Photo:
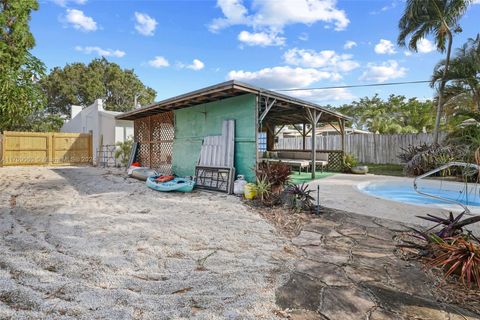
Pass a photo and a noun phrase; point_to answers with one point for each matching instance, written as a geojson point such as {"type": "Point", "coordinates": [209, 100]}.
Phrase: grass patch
{"type": "Point", "coordinates": [306, 177]}
{"type": "Point", "coordinates": [386, 169]}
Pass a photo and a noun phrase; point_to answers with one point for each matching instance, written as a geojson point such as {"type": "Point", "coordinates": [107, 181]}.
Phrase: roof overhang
{"type": "Point", "coordinates": [227, 90]}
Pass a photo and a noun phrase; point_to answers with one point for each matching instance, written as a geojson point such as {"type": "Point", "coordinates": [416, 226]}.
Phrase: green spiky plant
{"type": "Point", "coordinates": [122, 153]}
{"type": "Point", "coordinates": [263, 188]}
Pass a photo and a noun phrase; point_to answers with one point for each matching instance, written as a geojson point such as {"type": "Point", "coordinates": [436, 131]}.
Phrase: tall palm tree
{"type": "Point", "coordinates": [439, 18]}
{"type": "Point", "coordinates": [463, 76]}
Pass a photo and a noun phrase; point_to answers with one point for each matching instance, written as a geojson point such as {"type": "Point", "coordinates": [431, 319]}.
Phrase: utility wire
{"type": "Point", "coordinates": [357, 85]}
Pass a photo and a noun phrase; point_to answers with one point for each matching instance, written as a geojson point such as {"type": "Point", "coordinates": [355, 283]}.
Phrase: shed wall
{"type": "Point", "coordinates": [194, 123]}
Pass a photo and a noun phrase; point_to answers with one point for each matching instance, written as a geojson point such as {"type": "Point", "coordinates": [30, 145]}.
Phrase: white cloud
{"type": "Point", "coordinates": [159, 62]}
{"type": "Point", "coordinates": [303, 36]}
{"type": "Point", "coordinates": [407, 53]}
{"type": "Point", "coordinates": [382, 72]}
{"type": "Point", "coordinates": [281, 77]}
{"type": "Point", "coordinates": [385, 47]}
{"type": "Point", "coordinates": [275, 15]}
{"type": "Point", "coordinates": [64, 3]}
{"type": "Point", "coordinates": [326, 59]}
{"type": "Point", "coordinates": [425, 46]}
{"type": "Point", "coordinates": [234, 13]}
{"type": "Point", "coordinates": [349, 44]}
{"type": "Point", "coordinates": [101, 52]}
{"type": "Point", "coordinates": [337, 94]}
{"type": "Point", "coordinates": [196, 65]}
{"type": "Point", "coordinates": [262, 39]}
{"type": "Point", "coordinates": [80, 21]}
{"type": "Point", "coordinates": [144, 24]}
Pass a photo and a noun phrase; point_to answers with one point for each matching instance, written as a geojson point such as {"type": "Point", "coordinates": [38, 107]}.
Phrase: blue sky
{"type": "Point", "coordinates": [179, 46]}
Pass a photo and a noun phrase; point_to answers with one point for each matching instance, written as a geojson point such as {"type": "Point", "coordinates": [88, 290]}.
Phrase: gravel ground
{"type": "Point", "coordinates": [88, 243]}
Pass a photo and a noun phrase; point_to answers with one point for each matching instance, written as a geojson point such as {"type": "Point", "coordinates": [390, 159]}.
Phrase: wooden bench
{"type": "Point", "coordinates": [299, 159]}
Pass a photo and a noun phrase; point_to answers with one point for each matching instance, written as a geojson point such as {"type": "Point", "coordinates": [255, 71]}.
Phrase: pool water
{"type": "Point", "coordinates": [404, 192]}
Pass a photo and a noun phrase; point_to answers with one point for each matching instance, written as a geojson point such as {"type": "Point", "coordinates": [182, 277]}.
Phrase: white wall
{"type": "Point", "coordinates": [102, 123]}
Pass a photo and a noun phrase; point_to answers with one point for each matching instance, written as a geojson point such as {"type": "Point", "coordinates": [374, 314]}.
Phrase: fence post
{"type": "Point", "coordinates": [50, 147]}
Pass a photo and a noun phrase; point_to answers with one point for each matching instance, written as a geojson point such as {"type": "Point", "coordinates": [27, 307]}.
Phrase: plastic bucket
{"type": "Point", "coordinates": [250, 191]}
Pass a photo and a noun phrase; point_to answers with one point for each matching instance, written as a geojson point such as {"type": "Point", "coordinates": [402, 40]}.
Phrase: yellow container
{"type": "Point", "coordinates": [250, 191]}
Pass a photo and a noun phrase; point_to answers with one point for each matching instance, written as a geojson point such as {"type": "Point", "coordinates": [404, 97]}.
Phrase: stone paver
{"type": "Point", "coordinates": [350, 271]}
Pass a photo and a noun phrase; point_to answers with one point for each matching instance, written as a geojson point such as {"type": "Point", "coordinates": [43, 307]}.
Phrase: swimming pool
{"type": "Point", "coordinates": [403, 191]}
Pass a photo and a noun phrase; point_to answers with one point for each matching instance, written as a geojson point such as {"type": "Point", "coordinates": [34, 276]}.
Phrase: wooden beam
{"type": "Point", "coordinates": [267, 109]}
{"type": "Point", "coordinates": [339, 131]}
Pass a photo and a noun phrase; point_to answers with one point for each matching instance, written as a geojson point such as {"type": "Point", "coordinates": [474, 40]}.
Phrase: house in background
{"type": "Point", "coordinates": [105, 128]}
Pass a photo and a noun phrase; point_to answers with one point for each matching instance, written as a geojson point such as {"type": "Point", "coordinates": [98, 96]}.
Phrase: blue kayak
{"type": "Point", "coordinates": [177, 184]}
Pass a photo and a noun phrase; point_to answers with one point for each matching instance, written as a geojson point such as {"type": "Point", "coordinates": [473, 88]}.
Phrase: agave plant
{"type": "Point", "coordinates": [300, 197]}
{"type": "Point", "coordinates": [451, 226]}
{"type": "Point", "coordinates": [458, 256]}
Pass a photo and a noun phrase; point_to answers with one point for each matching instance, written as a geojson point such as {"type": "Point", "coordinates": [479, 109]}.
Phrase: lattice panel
{"type": "Point", "coordinates": [335, 161]}
{"type": "Point", "coordinates": [143, 155]}
{"type": "Point", "coordinates": [162, 127]}
{"type": "Point", "coordinates": [155, 136]}
{"type": "Point", "coordinates": [142, 130]}
{"type": "Point", "coordinates": [162, 157]}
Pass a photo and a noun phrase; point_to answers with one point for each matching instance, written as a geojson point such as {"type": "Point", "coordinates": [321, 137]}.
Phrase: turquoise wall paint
{"type": "Point", "coordinates": [194, 123]}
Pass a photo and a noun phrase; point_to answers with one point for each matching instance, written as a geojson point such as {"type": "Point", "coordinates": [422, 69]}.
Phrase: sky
{"type": "Point", "coordinates": [179, 46]}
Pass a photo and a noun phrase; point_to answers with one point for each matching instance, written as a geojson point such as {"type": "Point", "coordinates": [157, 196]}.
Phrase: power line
{"type": "Point", "coordinates": [357, 85]}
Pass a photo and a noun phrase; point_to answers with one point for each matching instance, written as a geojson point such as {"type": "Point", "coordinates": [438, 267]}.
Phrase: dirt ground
{"type": "Point", "coordinates": [88, 243]}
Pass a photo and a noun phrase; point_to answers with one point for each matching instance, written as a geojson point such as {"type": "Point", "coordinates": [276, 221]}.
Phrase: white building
{"type": "Point", "coordinates": [102, 123]}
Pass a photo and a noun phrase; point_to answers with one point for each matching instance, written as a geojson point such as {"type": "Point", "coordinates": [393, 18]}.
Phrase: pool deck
{"type": "Point", "coordinates": [340, 192]}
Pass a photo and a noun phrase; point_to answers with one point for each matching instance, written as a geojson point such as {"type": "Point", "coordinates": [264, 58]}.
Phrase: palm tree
{"type": "Point", "coordinates": [463, 76]}
{"type": "Point", "coordinates": [440, 18]}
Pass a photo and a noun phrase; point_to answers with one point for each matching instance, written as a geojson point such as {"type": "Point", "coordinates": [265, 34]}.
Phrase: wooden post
{"type": "Point", "coordinates": [341, 123]}
{"type": "Point", "coordinates": [314, 146]}
{"type": "Point", "coordinates": [50, 151]}
{"type": "Point", "coordinates": [2, 150]}
{"type": "Point", "coordinates": [90, 147]}
{"type": "Point", "coordinates": [270, 137]}
{"type": "Point", "coordinates": [304, 134]}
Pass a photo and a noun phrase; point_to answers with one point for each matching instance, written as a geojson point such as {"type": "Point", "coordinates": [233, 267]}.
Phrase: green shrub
{"type": "Point", "coordinates": [122, 154]}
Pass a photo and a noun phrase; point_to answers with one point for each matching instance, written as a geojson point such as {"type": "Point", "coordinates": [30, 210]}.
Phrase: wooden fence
{"type": "Point", "coordinates": [45, 148]}
{"type": "Point", "coordinates": [367, 148]}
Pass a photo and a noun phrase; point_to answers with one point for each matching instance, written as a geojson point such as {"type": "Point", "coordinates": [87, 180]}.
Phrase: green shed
{"type": "Point", "coordinates": [170, 132]}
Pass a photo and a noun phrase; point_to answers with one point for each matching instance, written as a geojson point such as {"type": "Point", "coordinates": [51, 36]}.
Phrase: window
{"type": "Point", "coordinates": [262, 141]}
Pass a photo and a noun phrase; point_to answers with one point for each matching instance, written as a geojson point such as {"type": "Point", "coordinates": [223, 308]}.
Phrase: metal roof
{"type": "Point", "coordinates": [225, 90]}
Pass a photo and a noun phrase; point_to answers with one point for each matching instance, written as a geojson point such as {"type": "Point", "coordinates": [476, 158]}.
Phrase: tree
{"type": "Point", "coordinates": [440, 18]}
{"type": "Point", "coordinates": [462, 91]}
{"type": "Point", "coordinates": [82, 84]}
{"type": "Point", "coordinates": [395, 115]}
{"type": "Point", "coordinates": [20, 95]}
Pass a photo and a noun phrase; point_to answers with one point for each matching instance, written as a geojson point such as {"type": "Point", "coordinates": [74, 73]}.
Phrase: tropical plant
{"type": "Point", "coordinates": [299, 197]}
{"type": "Point", "coordinates": [20, 95]}
{"type": "Point", "coordinates": [395, 115]}
{"type": "Point", "coordinates": [450, 227]}
{"type": "Point", "coordinates": [122, 153]}
{"type": "Point", "coordinates": [462, 93]}
{"type": "Point", "coordinates": [433, 157]}
{"type": "Point", "coordinates": [276, 174]}
{"type": "Point", "coordinates": [458, 256]}
{"type": "Point", "coordinates": [412, 150]}
{"type": "Point", "coordinates": [440, 18]}
{"type": "Point", "coordinates": [349, 161]}
{"type": "Point", "coordinates": [263, 188]}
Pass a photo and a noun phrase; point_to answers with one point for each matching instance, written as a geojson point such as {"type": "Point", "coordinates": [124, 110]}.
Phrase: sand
{"type": "Point", "coordinates": [84, 243]}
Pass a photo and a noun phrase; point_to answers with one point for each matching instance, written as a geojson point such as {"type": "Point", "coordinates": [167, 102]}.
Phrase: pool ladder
{"type": "Point", "coordinates": [445, 166]}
